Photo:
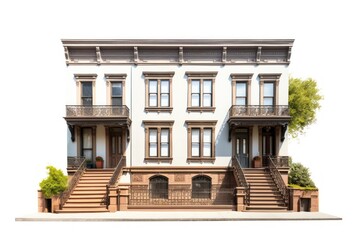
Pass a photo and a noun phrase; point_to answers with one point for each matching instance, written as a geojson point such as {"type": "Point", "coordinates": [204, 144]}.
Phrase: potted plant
{"type": "Point", "coordinates": [89, 163]}
{"type": "Point", "coordinates": [257, 162]}
{"type": "Point", "coordinates": [52, 186]}
{"type": "Point", "coordinates": [99, 162]}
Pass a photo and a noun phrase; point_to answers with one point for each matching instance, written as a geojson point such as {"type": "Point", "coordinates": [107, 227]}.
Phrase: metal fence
{"type": "Point", "coordinates": [181, 195]}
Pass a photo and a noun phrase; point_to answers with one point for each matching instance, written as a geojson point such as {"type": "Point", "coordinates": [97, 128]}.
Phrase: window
{"type": "Point", "coordinates": [201, 91]}
{"type": "Point", "coordinates": [269, 95]}
{"type": "Point", "coordinates": [201, 187]}
{"type": "Point", "coordinates": [241, 89]}
{"type": "Point", "coordinates": [115, 89]}
{"type": "Point", "coordinates": [158, 91]}
{"type": "Point", "coordinates": [158, 186]}
{"type": "Point", "coordinates": [269, 84]}
{"type": "Point", "coordinates": [158, 140]}
{"type": "Point", "coordinates": [87, 142]}
{"type": "Point", "coordinates": [201, 140]}
{"type": "Point", "coordinates": [86, 94]}
{"type": "Point", "coordinates": [85, 88]}
{"type": "Point", "coordinates": [116, 93]}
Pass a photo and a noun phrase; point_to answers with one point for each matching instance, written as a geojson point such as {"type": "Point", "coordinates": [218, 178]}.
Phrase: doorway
{"type": "Point", "coordinates": [268, 143]}
{"type": "Point", "coordinates": [116, 148]}
{"type": "Point", "coordinates": [242, 146]}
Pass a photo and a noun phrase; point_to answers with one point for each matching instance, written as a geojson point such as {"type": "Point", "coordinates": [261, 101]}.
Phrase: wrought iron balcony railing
{"type": "Point", "coordinates": [259, 111]}
{"type": "Point", "coordinates": [97, 111]}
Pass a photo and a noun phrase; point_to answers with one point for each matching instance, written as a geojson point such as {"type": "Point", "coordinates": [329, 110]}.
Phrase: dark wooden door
{"type": "Point", "coordinates": [242, 147]}
{"type": "Point", "coordinates": [268, 143]}
{"type": "Point", "coordinates": [116, 149]}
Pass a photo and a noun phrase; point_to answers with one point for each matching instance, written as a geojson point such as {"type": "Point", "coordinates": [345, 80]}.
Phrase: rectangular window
{"type": "Point", "coordinates": [164, 142]}
{"type": "Point", "coordinates": [87, 143]}
{"type": "Point", "coordinates": [153, 93]}
{"type": "Point", "coordinates": [207, 93]}
{"type": "Point", "coordinates": [201, 140]}
{"type": "Point", "coordinates": [241, 94]}
{"type": "Point", "coordinates": [269, 94]}
{"type": "Point", "coordinates": [195, 142]}
{"type": "Point", "coordinates": [164, 93]}
{"type": "Point", "coordinates": [158, 91]}
{"type": "Point", "coordinates": [116, 93]}
{"type": "Point", "coordinates": [86, 93]}
{"type": "Point", "coordinates": [195, 93]}
{"type": "Point", "coordinates": [158, 140]}
{"type": "Point", "coordinates": [201, 91]}
{"type": "Point", "coordinates": [153, 143]}
{"type": "Point", "coordinates": [207, 142]}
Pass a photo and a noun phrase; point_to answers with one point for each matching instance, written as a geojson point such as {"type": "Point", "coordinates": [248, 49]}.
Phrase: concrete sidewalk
{"type": "Point", "coordinates": [178, 216]}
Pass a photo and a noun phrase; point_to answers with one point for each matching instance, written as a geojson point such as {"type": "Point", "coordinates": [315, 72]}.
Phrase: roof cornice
{"type": "Point", "coordinates": [177, 42]}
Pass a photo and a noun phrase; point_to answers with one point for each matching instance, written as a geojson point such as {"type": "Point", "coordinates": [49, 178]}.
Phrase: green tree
{"type": "Point", "coordinates": [304, 101]}
{"type": "Point", "coordinates": [54, 184]}
{"type": "Point", "coordinates": [300, 175]}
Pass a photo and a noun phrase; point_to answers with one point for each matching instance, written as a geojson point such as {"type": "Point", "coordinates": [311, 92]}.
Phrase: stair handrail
{"type": "Point", "coordinates": [113, 180]}
{"type": "Point", "coordinates": [64, 196]}
{"type": "Point", "coordinates": [279, 181]}
{"type": "Point", "coordinates": [239, 173]}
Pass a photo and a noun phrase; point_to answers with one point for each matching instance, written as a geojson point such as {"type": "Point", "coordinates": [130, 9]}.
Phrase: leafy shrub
{"type": "Point", "coordinates": [300, 175]}
{"type": "Point", "coordinates": [54, 184]}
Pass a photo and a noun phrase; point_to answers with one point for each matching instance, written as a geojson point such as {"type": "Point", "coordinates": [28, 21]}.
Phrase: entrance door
{"type": "Point", "coordinates": [116, 149]}
{"type": "Point", "coordinates": [268, 143]}
{"type": "Point", "coordinates": [242, 146]}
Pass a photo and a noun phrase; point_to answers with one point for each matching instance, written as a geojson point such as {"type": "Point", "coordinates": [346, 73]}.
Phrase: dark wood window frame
{"type": "Point", "coordinates": [159, 77]}
{"type": "Point", "coordinates": [201, 77]}
{"type": "Point", "coordinates": [85, 78]}
{"type": "Point", "coordinates": [201, 126]}
{"type": "Point", "coordinates": [115, 78]}
{"type": "Point", "coordinates": [241, 78]}
{"type": "Point", "coordinates": [158, 126]}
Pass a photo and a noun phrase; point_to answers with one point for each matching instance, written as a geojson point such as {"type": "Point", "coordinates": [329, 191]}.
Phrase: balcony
{"type": "Point", "coordinates": [97, 114]}
{"type": "Point", "coordinates": [259, 114]}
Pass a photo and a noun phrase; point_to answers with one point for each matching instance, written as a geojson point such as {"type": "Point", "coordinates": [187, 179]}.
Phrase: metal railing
{"type": "Point", "coordinates": [74, 161]}
{"type": "Point", "coordinates": [275, 174]}
{"type": "Point", "coordinates": [113, 180]}
{"type": "Point", "coordinates": [64, 196]}
{"type": "Point", "coordinates": [97, 111]}
{"type": "Point", "coordinates": [259, 111]}
{"type": "Point", "coordinates": [279, 161]}
{"type": "Point", "coordinates": [181, 195]}
{"type": "Point", "coordinates": [240, 176]}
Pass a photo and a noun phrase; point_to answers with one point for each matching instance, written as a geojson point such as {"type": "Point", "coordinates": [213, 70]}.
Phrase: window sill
{"type": "Point", "coordinates": [158, 109]}
{"type": "Point", "coordinates": [201, 159]}
{"type": "Point", "coordinates": [158, 159]}
{"type": "Point", "coordinates": [201, 109]}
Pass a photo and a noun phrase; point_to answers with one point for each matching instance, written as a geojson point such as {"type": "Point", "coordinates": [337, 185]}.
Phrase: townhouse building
{"type": "Point", "coordinates": [179, 124]}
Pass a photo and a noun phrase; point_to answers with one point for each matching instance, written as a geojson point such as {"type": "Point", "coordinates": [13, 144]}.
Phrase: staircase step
{"type": "Point", "coordinates": [87, 196]}
{"type": "Point", "coordinates": [82, 210]}
{"type": "Point", "coordinates": [85, 200]}
{"type": "Point", "coordinates": [84, 205]}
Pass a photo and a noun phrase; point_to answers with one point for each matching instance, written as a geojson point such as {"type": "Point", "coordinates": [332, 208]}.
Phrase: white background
{"type": "Point", "coordinates": [32, 98]}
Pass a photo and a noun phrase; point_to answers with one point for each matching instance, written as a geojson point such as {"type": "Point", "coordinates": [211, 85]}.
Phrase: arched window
{"type": "Point", "coordinates": [201, 187]}
{"type": "Point", "coordinates": [158, 187]}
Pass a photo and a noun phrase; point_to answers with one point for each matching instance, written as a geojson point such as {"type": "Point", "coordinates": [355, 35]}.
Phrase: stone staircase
{"type": "Point", "coordinates": [89, 194]}
{"type": "Point", "coordinates": [264, 194]}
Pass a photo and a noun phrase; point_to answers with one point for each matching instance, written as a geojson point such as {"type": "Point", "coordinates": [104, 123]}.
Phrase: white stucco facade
{"type": "Point", "coordinates": [134, 97]}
